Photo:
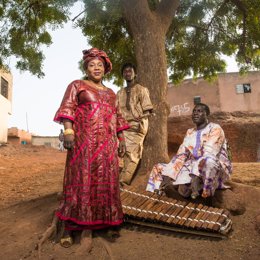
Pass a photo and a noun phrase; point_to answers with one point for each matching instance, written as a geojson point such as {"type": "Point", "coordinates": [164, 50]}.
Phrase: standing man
{"type": "Point", "coordinates": [135, 105]}
{"type": "Point", "coordinates": [61, 139]}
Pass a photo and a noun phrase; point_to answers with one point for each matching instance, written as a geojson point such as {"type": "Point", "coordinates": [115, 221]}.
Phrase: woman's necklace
{"type": "Point", "coordinates": [98, 86]}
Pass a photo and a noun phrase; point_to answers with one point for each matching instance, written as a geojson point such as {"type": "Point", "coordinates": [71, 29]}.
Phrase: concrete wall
{"type": "Point", "coordinates": [220, 95]}
{"type": "Point", "coordinates": [181, 97]}
{"type": "Point", "coordinates": [231, 100]}
{"type": "Point", "coordinates": [51, 141]}
{"type": "Point", "coordinates": [17, 136]}
{"type": "Point", "coordinates": [5, 106]}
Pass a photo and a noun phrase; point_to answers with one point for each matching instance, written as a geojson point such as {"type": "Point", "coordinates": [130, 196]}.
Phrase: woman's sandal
{"type": "Point", "coordinates": [66, 241]}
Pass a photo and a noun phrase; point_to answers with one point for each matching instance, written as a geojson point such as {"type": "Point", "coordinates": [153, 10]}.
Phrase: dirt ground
{"type": "Point", "coordinates": [31, 177]}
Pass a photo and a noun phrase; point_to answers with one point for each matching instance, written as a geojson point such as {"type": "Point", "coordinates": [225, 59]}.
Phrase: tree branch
{"type": "Point", "coordinates": [136, 12]}
{"type": "Point", "coordinates": [216, 13]}
{"type": "Point", "coordinates": [133, 5]}
{"type": "Point", "coordinates": [240, 5]}
{"type": "Point", "coordinates": [76, 17]}
{"type": "Point", "coordinates": [242, 48]}
{"type": "Point", "coordinates": [166, 10]}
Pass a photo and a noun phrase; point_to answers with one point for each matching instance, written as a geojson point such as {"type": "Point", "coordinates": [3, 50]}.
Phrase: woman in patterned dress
{"type": "Point", "coordinates": [94, 138]}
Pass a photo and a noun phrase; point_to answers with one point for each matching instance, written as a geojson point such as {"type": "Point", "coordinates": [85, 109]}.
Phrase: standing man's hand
{"type": "Point", "coordinates": [121, 148]}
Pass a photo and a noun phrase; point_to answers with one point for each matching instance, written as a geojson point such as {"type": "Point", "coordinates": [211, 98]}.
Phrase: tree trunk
{"type": "Point", "coordinates": [148, 30]}
{"type": "Point", "coordinates": [150, 50]}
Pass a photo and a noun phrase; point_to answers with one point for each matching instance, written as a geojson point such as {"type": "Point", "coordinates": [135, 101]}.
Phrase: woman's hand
{"type": "Point", "coordinates": [69, 141]}
{"type": "Point", "coordinates": [121, 148]}
{"type": "Point", "coordinates": [68, 134]}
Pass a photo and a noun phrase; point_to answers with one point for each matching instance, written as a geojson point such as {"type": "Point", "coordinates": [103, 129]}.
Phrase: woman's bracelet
{"type": "Point", "coordinates": [68, 131]}
{"type": "Point", "coordinates": [121, 138]}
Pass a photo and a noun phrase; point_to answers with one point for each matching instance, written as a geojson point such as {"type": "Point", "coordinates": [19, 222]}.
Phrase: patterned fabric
{"type": "Point", "coordinates": [91, 196]}
{"type": "Point", "coordinates": [134, 149]}
{"type": "Point", "coordinates": [93, 53]}
{"type": "Point", "coordinates": [134, 136]}
{"type": "Point", "coordinates": [139, 102]}
{"type": "Point", "coordinates": [203, 153]}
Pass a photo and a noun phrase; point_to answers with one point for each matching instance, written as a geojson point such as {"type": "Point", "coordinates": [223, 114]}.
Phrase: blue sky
{"type": "Point", "coordinates": [38, 99]}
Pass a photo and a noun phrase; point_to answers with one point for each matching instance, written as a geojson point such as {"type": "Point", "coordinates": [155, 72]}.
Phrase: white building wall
{"type": "Point", "coordinates": [5, 107]}
{"type": "Point", "coordinates": [51, 141]}
{"type": "Point", "coordinates": [232, 95]}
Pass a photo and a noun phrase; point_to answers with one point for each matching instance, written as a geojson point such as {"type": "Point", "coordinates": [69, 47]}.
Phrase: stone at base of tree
{"type": "Point", "coordinates": [257, 224]}
{"type": "Point", "coordinates": [229, 200]}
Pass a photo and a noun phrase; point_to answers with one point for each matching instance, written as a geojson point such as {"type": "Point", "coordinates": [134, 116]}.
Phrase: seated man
{"type": "Point", "coordinates": [201, 165]}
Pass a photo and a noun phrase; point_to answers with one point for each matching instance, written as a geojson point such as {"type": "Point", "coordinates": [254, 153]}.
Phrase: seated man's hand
{"type": "Point", "coordinates": [166, 182]}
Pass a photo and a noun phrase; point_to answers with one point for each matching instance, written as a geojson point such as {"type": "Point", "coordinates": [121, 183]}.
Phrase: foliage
{"type": "Point", "coordinates": [105, 27]}
{"type": "Point", "coordinates": [24, 26]}
{"type": "Point", "coordinates": [203, 30]}
{"type": "Point", "coordinates": [200, 33]}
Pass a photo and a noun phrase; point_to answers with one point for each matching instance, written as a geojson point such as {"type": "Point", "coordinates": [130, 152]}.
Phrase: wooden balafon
{"type": "Point", "coordinates": [150, 209]}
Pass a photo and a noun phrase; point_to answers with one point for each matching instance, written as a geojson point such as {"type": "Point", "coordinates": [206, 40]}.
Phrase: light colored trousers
{"type": "Point", "coordinates": [134, 149]}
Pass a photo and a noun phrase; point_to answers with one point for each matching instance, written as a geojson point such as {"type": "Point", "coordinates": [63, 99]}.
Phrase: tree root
{"type": "Point", "coordinates": [107, 247]}
{"type": "Point", "coordinates": [51, 231]}
{"type": "Point", "coordinates": [55, 231]}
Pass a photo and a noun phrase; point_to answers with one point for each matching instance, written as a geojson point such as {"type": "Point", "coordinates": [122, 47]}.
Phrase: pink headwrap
{"type": "Point", "coordinates": [94, 53]}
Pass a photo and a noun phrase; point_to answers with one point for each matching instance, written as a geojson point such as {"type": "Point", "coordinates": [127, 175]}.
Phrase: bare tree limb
{"type": "Point", "coordinates": [217, 12]}
{"type": "Point", "coordinates": [240, 5]}
{"type": "Point", "coordinates": [166, 10]}
{"type": "Point", "coordinates": [139, 11]}
{"type": "Point", "coordinates": [136, 12]}
{"type": "Point", "coordinates": [242, 48]}
{"type": "Point", "coordinates": [76, 17]}
{"type": "Point", "coordinates": [131, 6]}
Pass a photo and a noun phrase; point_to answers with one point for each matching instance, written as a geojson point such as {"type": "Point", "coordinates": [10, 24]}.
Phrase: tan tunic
{"type": "Point", "coordinates": [139, 103]}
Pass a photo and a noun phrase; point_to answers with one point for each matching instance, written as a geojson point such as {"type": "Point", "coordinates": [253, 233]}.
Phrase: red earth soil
{"type": "Point", "coordinates": [31, 177]}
